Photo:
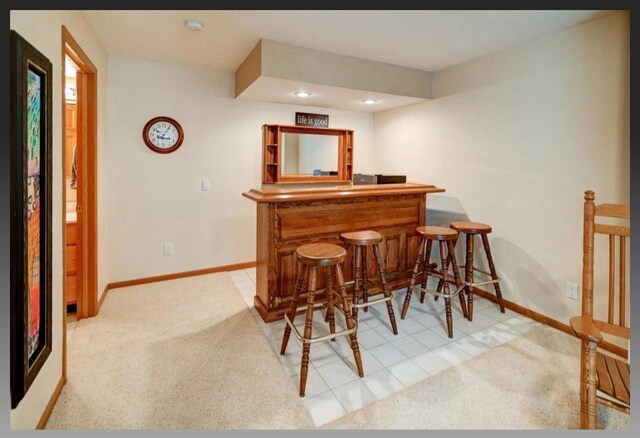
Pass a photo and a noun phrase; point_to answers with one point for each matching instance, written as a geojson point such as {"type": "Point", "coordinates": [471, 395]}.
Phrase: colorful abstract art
{"type": "Point", "coordinates": [34, 115]}
{"type": "Point", "coordinates": [31, 230]}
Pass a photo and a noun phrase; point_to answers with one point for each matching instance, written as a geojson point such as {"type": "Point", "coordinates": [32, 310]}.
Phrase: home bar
{"type": "Point", "coordinates": [322, 209]}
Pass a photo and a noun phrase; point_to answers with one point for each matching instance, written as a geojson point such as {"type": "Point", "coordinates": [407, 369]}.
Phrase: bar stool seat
{"type": "Point", "coordinates": [321, 254]}
{"type": "Point", "coordinates": [310, 258]}
{"type": "Point", "coordinates": [437, 233]}
{"type": "Point", "coordinates": [470, 227]}
{"type": "Point", "coordinates": [361, 240]}
{"type": "Point", "coordinates": [367, 237]}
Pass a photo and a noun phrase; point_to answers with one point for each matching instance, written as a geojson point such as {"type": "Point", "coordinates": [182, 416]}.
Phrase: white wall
{"type": "Point", "coordinates": [43, 30]}
{"type": "Point", "coordinates": [516, 138]}
{"type": "Point", "coordinates": [156, 199]}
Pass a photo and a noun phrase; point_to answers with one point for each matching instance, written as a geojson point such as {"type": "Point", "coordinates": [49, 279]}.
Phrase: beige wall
{"type": "Point", "coordinates": [157, 199]}
{"type": "Point", "coordinates": [516, 138]}
{"type": "Point", "coordinates": [43, 30]}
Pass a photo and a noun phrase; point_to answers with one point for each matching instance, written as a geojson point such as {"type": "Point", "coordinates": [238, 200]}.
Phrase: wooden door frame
{"type": "Point", "coordinates": [87, 166]}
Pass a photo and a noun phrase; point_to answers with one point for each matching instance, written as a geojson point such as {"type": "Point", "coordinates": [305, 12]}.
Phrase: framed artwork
{"type": "Point", "coordinates": [31, 137]}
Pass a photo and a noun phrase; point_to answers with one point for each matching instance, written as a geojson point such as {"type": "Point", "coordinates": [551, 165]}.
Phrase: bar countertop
{"type": "Point", "coordinates": [277, 195]}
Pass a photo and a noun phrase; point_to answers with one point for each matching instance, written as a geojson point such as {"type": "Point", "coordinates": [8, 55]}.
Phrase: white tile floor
{"type": "Point", "coordinates": [391, 362]}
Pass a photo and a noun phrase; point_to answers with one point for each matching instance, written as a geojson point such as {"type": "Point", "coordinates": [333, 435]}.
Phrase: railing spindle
{"type": "Point", "coordinates": [622, 280]}
{"type": "Point", "coordinates": [612, 275]}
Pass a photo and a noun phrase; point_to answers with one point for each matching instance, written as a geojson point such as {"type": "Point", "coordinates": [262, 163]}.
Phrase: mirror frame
{"type": "Point", "coordinates": [272, 155]}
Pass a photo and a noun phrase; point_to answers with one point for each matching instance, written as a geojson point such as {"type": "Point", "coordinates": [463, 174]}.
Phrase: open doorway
{"type": "Point", "coordinates": [71, 190]}
{"type": "Point", "coordinates": [79, 218]}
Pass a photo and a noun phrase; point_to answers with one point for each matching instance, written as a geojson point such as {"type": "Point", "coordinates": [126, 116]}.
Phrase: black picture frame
{"type": "Point", "coordinates": [26, 61]}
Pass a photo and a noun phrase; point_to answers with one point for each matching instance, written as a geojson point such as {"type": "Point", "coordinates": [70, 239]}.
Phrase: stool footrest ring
{"type": "Point", "coordinates": [370, 303]}
{"type": "Point", "coordinates": [440, 294]}
{"type": "Point", "coordinates": [462, 267]}
{"type": "Point", "coordinates": [302, 339]}
{"type": "Point", "coordinates": [482, 283]}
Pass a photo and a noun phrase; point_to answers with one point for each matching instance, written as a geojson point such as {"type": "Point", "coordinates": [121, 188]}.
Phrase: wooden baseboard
{"type": "Point", "coordinates": [52, 402]}
{"type": "Point", "coordinates": [213, 270]}
{"type": "Point", "coordinates": [104, 295]}
{"type": "Point", "coordinates": [545, 320]}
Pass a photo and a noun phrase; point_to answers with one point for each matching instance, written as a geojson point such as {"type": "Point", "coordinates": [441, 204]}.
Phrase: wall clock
{"type": "Point", "coordinates": [162, 134]}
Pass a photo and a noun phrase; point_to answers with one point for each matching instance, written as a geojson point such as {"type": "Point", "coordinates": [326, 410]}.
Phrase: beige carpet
{"type": "Point", "coordinates": [187, 354]}
{"type": "Point", "coordinates": [531, 382]}
{"type": "Point", "coordinates": [179, 354]}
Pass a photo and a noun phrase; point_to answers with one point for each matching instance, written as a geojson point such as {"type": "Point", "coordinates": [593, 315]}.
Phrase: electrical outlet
{"type": "Point", "coordinates": [205, 185]}
{"type": "Point", "coordinates": [167, 249]}
{"type": "Point", "coordinates": [572, 291]}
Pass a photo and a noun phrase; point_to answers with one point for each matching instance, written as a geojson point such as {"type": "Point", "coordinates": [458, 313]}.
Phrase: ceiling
{"type": "Point", "coordinates": [279, 90]}
{"type": "Point", "coordinates": [426, 40]}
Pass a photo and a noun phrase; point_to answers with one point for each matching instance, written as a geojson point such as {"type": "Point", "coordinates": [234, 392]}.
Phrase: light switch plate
{"type": "Point", "coordinates": [167, 249]}
{"type": "Point", "coordinates": [205, 185]}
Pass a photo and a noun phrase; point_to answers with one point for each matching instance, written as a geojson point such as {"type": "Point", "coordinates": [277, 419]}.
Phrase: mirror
{"type": "Point", "coordinates": [305, 154]}
{"type": "Point", "coordinates": [309, 154]}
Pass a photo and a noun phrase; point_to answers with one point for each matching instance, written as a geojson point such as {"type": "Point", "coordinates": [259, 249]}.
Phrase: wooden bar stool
{"type": "Point", "coordinates": [310, 257]}
{"type": "Point", "coordinates": [362, 240]}
{"type": "Point", "coordinates": [446, 238]}
{"type": "Point", "coordinates": [471, 229]}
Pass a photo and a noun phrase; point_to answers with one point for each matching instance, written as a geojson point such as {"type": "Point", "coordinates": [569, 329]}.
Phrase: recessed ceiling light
{"type": "Point", "coordinates": [369, 101]}
{"type": "Point", "coordinates": [302, 93]}
{"type": "Point", "coordinates": [194, 25]}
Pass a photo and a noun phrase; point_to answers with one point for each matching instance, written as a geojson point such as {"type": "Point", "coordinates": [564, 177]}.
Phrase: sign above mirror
{"type": "Point", "coordinates": [310, 119]}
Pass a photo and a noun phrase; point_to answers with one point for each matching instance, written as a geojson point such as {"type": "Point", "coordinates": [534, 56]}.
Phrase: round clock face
{"type": "Point", "coordinates": [163, 134]}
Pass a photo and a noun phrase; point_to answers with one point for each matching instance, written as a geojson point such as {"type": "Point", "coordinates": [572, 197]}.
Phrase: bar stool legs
{"type": "Point", "coordinates": [306, 346]}
{"type": "Point", "coordinates": [291, 313]}
{"type": "Point", "coordinates": [310, 258]}
{"type": "Point", "coordinates": [468, 278]}
{"type": "Point", "coordinates": [357, 279]}
{"type": "Point", "coordinates": [360, 240]}
{"type": "Point", "coordinates": [351, 323]}
{"type": "Point", "coordinates": [492, 269]}
{"type": "Point", "coordinates": [414, 277]}
{"type": "Point", "coordinates": [471, 229]}
{"type": "Point", "coordinates": [330, 316]}
{"type": "Point", "coordinates": [425, 270]}
{"type": "Point", "coordinates": [385, 289]}
{"type": "Point", "coordinates": [445, 238]}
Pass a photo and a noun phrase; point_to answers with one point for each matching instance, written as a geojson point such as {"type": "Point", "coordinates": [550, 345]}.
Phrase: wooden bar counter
{"type": "Point", "coordinates": [288, 218]}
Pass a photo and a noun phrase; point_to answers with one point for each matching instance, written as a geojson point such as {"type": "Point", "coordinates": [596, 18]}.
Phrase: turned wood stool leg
{"type": "Point", "coordinates": [425, 270]}
{"type": "Point", "coordinates": [492, 269]}
{"type": "Point", "coordinates": [330, 313]}
{"type": "Point", "coordinates": [456, 275]}
{"type": "Point", "coordinates": [414, 276]}
{"type": "Point", "coordinates": [447, 301]}
{"type": "Point", "coordinates": [385, 287]}
{"type": "Point", "coordinates": [365, 278]}
{"type": "Point", "coordinates": [468, 269]}
{"type": "Point", "coordinates": [349, 319]}
{"type": "Point", "coordinates": [304, 367]}
{"type": "Point", "coordinates": [302, 273]}
{"type": "Point", "coordinates": [357, 279]}
{"type": "Point", "coordinates": [438, 289]}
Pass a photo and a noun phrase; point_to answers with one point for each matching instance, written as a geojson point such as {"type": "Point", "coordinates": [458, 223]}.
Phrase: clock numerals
{"type": "Point", "coordinates": [163, 134]}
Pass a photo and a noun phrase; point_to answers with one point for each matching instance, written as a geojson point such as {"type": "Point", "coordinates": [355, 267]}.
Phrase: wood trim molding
{"type": "Point", "coordinates": [545, 320]}
{"type": "Point", "coordinates": [76, 53]}
{"type": "Point", "coordinates": [87, 222]}
{"type": "Point", "coordinates": [173, 276]}
{"type": "Point", "coordinates": [104, 295]}
{"type": "Point", "coordinates": [52, 402]}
